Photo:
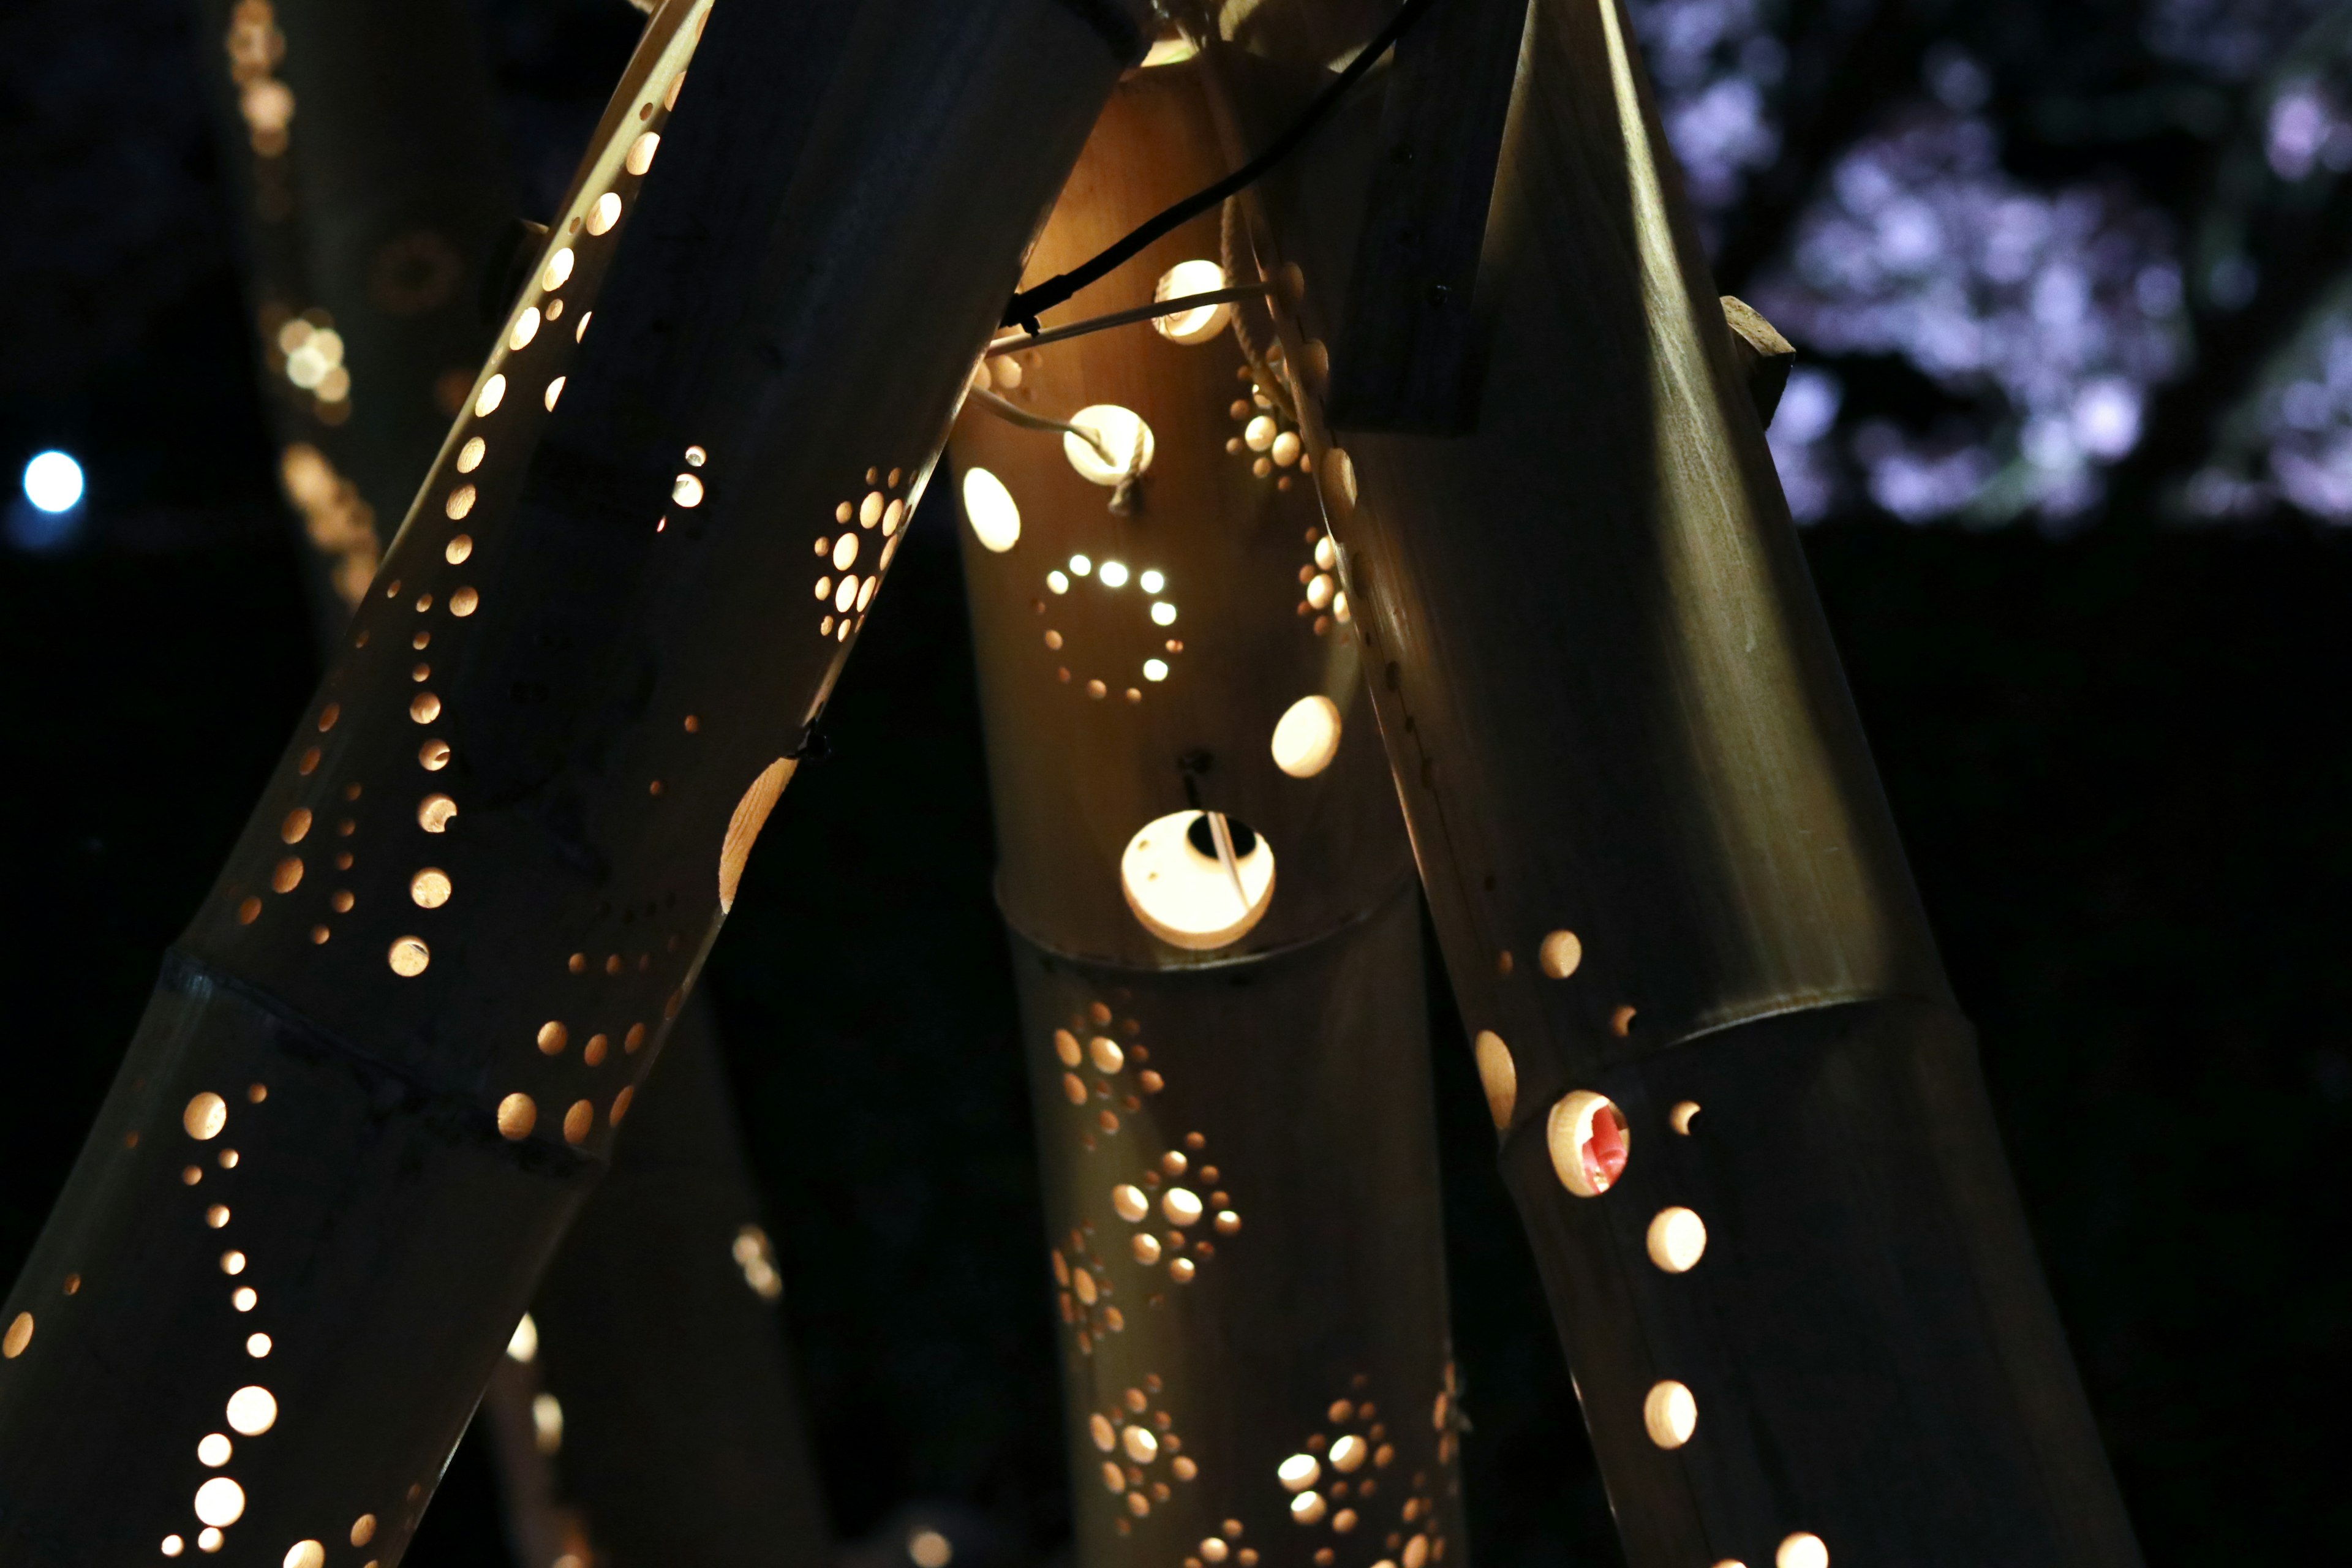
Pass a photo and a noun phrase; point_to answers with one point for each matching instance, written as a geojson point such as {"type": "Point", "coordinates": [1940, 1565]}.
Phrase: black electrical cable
{"type": "Point", "coordinates": [1024, 306]}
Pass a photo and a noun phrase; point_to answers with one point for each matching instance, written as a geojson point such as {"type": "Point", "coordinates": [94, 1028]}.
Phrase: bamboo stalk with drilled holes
{"type": "Point", "coordinates": [361, 144]}
{"type": "Point", "coordinates": [1739, 1111]}
{"type": "Point", "coordinates": [359, 1113]}
{"type": "Point", "coordinates": [373, 209]}
{"type": "Point", "coordinates": [1212, 922]}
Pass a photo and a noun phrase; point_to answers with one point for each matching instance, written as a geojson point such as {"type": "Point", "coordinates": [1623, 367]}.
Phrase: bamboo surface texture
{"type": "Point", "coordinates": [363, 1104]}
{"type": "Point", "coordinates": [1739, 1112]}
{"type": "Point", "coordinates": [379, 204]}
{"type": "Point", "coordinates": [1229, 1063]}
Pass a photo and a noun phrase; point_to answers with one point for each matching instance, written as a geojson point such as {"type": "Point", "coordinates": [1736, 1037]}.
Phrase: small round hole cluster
{"type": "Point", "coordinates": [852, 556]}
{"type": "Point", "coordinates": [1142, 1453]}
{"type": "Point", "coordinates": [1346, 1478]}
{"type": "Point", "coordinates": [1322, 603]}
{"type": "Point", "coordinates": [1269, 440]}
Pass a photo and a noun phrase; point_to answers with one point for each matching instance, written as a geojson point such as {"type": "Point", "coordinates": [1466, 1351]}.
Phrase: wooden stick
{"type": "Point", "coordinates": [1739, 1111]}
{"type": "Point", "coordinates": [519, 805]}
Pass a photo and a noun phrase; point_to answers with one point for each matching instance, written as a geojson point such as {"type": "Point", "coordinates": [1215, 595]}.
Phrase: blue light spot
{"type": "Point", "coordinates": [53, 482]}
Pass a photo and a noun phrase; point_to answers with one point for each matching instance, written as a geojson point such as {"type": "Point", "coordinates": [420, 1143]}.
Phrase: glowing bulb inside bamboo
{"type": "Point", "coordinates": [1201, 322]}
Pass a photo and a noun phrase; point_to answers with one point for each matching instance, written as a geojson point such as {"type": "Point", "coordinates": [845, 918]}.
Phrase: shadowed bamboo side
{"type": "Point", "coordinates": [361, 1108]}
{"type": "Point", "coordinates": [1740, 1112]}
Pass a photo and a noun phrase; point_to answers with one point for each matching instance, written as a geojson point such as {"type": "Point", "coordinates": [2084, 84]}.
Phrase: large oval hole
{"type": "Point", "coordinates": [1190, 890]}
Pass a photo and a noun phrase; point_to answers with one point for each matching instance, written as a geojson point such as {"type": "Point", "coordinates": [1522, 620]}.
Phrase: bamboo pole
{"type": "Point", "coordinates": [362, 145]}
{"type": "Point", "coordinates": [363, 1106]}
{"type": "Point", "coordinates": [1739, 1111]}
{"type": "Point", "coordinates": [1212, 922]}
{"type": "Point", "coordinates": [370, 210]}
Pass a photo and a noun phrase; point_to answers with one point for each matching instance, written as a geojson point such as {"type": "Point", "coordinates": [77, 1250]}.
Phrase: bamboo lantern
{"type": "Point", "coordinates": [361, 143]}
{"type": "Point", "coordinates": [644, 1405]}
{"type": "Point", "coordinates": [1739, 1112]}
{"type": "Point", "coordinates": [360, 1111]}
{"type": "Point", "coordinates": [1213, 921]}
{"type": "Point", "coordinates": [368, 215]}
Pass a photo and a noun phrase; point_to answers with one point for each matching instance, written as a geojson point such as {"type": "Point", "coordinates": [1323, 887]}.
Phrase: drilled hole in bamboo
{"type": "Point", "coordinates": [1119, 430]}
{"type": "Point", "coordinates": [220, 1502]}
{"type": "Point", "coordinates": [1802, 1550]}
{"type": "Point", "coordinates": [436, 812]}
{"type": "Point", "coordinates": [1497, 1075]}
{"type": "Point", "coordinates": [1677, 1239]}
{"type": "Point", "coordinates": [516, 1116]}
{"type": "Point", "coordinates": [206, 1114]}
{"type": "Point", "coordinates": [1589, 1143]}
{"type": "Point", "coordinates": [1306, 736]}
{"type": "Point", "coordinates": [1560, 954]}
{"type": "Point", "coordinates": [1680, 1117]}
{"type": "Point", "coordinates": [744, 827]}
{"type": "Point", "coordinates": [493, 392]}
{"type": "Point", "coordinates": [1670, 1414]}
{"type": "Point", "coordinates": [1201, 322]}
{"type": "Point", "coordinates": [429, 888]}
{"type": "Point", "coordinates": [1177, 884]}
{"type": "Point", "coordinates": [252, 1410]}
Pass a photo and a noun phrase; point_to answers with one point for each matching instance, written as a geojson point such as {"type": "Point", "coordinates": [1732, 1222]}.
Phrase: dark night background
{"type": "Point", "coordinates": [2073, 429]}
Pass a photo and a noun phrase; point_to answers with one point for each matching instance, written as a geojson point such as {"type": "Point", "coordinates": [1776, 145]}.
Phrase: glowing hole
{"type": "Point", "coordinates": [1119, 430]}
{"type": "Point", "coordinates": [1498, 1075]}
{"type": "Point", "coordinates": [640, 156]}
{"type": "Point", "coordinates": [604, 213]}
{"type": "Point", "coordinates": [220, 1502]}
{"type": "Point", "coordinates": [1677, 1239]}
{"type": "Point", "coordinates": [1201, 322]}
{"type": "Point", "coordinates": [1298, 1472]}
{"type": "Point", "coordinates": [409, 956]}
{"type": "Point", "coordinates": [252, 1410]}
{"type": "Point", "coordinates": [1181, 1205]}
{"type": "Point", "coordinates": [1670, 1414]}
{"type": "Point", "coordinates": [435, 812]}
{"type": "Point", "coordinates": [558, 270]}
{"type": "Point", "coordinates": [1349, 1453]}
{"type": "Point", "coordinates": [525, 328]}
{"type": "Point", "coordinates": [554, 390]}
{"type": "Point", "coordinates": [1129, 1203]}
{"type": "Point", "coordinates": [1177, 883]}
{"type": "Point", "coordinates": [1680, 1117]}
{"type": "Point", "coordinates": [1560, 953]}
{"type": "Point", "coordinates": [206, 1114]}
{"type": "Point", "coordinates": [1307, 737]}
{"type": "Point", "coordinates": [1589, 1143]}
{"type": "Point", "coordinates": [429, 888]}
{"type": "Point", "coordinates": [1057, 580]}
{"type": "Point", "coordinates": [1155, 669]}
{"type": "Point", "coordinates": [1802, 1550]}
{"type": "Point", "coordinates": [516, 1116]}
{"type": "Point", "coordinates": [1114, 574]}
{"type": "Point", "coordinates": [685, 490]}
{"type": "Point", "coordinates": [1163, 614]}
{"type": "Point", "coordinates": [494, 392]}
{"type": "Point", "coordinates": [989, 507]}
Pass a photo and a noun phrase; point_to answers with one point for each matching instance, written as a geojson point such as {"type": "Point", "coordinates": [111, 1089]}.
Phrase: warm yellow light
{"type": "Point", "coordinates": [1122, 432]}
{"type": "Point", "coordinates": [1201, 322]}
{"type": "Point", "coordinates": [1185, 896]}
{"type": "Point", "coordinates": [1307, 737]}
{"type": "Point", "coordinates": [989, 507]}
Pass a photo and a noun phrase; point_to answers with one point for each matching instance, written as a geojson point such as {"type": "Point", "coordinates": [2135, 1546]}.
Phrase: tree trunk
{"type": "Point", "coordinates": [1739, 1112]}
{"type": "Point", "coordinates": [1228, 1044]}
{"type": "Point", "coordinates": [517, 810]}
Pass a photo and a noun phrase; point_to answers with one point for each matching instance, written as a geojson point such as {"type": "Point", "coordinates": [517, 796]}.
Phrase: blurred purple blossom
{"type": "Point", "coordinates": [2058, 310]}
